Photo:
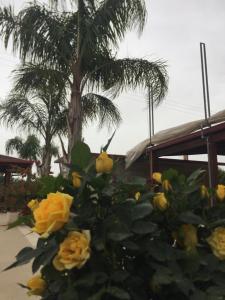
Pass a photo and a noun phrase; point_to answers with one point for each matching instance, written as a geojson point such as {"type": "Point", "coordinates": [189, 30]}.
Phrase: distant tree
{"type": "Point", "coordinates": [40, 111]}
{"type": "Point", "coordinates": [77, 50]}
{"type": "Point", "coordinates": [28, 149]}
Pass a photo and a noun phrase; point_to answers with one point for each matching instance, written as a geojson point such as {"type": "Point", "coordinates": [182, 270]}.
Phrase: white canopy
{"type": "Point", "coordinates": [171, 133]}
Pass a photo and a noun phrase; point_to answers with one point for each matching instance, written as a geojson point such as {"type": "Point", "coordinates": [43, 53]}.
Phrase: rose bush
{"type": "Point", "coordinates": [113, 237]}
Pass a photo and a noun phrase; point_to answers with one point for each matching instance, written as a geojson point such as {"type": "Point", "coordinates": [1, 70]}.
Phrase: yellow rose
{"type": "Point", "coordinates": [36, 285]}
{"type": "Point", "coordinates": [104, 163]}
{"type": "Point", "coordinates": [33, 204]}
{"type": "Point", "coordinates": [160, 201]}
{"type": "Point", "coordinates": [217, 242]}
{"type": "Point", "coordinates": [220, 192]}
{"type": "Point", "coordinates": [137, 196]}
{"type": "Point", "coordinates": [52, 213]}
{"type": "Point", "coordinates": [188, 233]}
{"type": "Point", "coordinates": [76, 178]}
{"type": "Point", "coordinates": [204, 191]}
{"type": "Point", "coordinates": [74, 251]}
{"type": "Point", "coordinates": [166, 185]}
{"type": "Point", "coordinates": [157, 177]}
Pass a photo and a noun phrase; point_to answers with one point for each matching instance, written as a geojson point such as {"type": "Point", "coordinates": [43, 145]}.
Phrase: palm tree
{"type": "Point", "coordinates": [40, 111]}
{"type": "Point", "coordinates": [77, 47]}
{"type": "Point", "coordinates": [28, 149]}
{"type": "Point", "coordinates": [31, 149]}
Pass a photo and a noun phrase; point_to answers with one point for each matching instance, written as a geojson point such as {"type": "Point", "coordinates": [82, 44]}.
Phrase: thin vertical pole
{"type": "Point", "coordinates": [211, 147]}
{"type": "Point", "coordinates": [206, 80]}
{"type": "Point", "coordinates": [152, 111]}
{"type": "Point", "coordinates": [149, 116]}
{"type": "Point", "coordinates": [203, 81]}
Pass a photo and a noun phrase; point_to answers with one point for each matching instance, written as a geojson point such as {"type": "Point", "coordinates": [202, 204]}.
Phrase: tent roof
{"type": "Point", "coordinates": [172, 134]}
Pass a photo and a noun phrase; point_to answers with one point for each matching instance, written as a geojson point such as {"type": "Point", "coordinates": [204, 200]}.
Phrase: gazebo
{"type": "Point", "coordinates": [11, 165]}
{"type": "Point", "coordinates": [192, 138]}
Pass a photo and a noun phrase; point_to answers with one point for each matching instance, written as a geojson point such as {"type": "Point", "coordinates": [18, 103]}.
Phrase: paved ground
{"type": "Point", "coordinates": [11, 242]}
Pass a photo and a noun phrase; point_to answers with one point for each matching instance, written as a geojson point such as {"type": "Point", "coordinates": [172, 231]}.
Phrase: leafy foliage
{"type": "Point", "coordinates": [29, 149]}
{"type": "Point", "coordinates": [138, 251]}
{"type": "Point", "coordinates": [76, 50]}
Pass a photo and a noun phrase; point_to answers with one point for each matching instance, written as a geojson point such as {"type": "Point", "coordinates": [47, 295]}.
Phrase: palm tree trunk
{"type": "Point", "coordinates": [75, 112]}
{"type": "Point", "coordinates": [75, 109]}
{"type": "Point", "coordinates": [46, 164]}
{"type": "Point", "coordinates": [46, 158]}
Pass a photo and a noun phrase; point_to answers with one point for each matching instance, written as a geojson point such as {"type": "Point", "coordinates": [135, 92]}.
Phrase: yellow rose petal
{"type": "Point", "coordinates": [104, 163]}
{"type": "Point", "coordinates": [74, 251]}
{"type": "Point", "coordinates": [157, 177]}
{"type": "Point", "coordinates": [160, 201]}
{"type": "Point", "coordinates": [52, 213]}
{"type": "Point", "coordinates": [36, 285]}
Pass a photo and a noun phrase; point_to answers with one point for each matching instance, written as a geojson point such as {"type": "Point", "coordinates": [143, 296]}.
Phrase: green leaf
{"type": "Point", "coordinates": [118, 293]}
{"type": "Point", "coordinates": [198, 295]}
{"type": "Point", "coordinates": [119, 236]}
{"type": "Point", "coordinates": [144, 227]}
{"type": "Point", "coordinates": [118, 232]}
{"type": "Point", "coordinates": [24, 256]}
{"type": "Point", "coordinates": [170, 174]}
{"type": "Point", "coordinates": [70, 294]}
{"type": "Point", "coordinates": [196, 176]}
{"type": "Point", "coordinates": [190, 218]}
{"type": "Point", "coordinates": [108, 143]}
{"type": "Point", "coordinates": [163, 275]}
{"type": "Point", "coordinates": [216, 291]}
{"type": "Point", "coordinates": [91, 279]}
{"type": "Point", "coordinates": [22, 220]}
{"type": "Point", "coordinates": [131, 245]}
{"type": "Point", "coordinates": [98, 295]}
{"type": "Point", "coordinates": [119, 276]}
{"type": "Point", "coordinates": [23, 286]}
{"type": "Point", "coordinates": [141, 210]}
{"type": "Point", "coordinates": [81, 155]}
{"type": "Point", "coordinates": [44, 258]}
{"type": "Point", "coordinates": [137, 180]}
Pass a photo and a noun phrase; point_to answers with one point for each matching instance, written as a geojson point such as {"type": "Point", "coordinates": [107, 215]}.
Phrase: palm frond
{"type": "Point", "coordinates": [98, 107]}
{"type": "Point", "coordinates": [111, 20]}
{"type": "Point", "coordinates": [31, 148]}
{"type": "Point", "coordinates": [119, 75]}
{"type": "Point", "coordinates": [54, 150]}
{"type": "Point", "coordinates": [29, 77]}
{"type": "Point", "coordinates": [37, 34]}
{"type": "Point", "coordinates": [18, 110]}
{"type": "Point", "coordinates": [14, 144]}
{"type": "Point", "coordinates": [28, 149]}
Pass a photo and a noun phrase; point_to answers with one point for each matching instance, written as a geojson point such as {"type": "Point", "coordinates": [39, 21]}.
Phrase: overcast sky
{"type": "Point", "coordinates": [173, 33]}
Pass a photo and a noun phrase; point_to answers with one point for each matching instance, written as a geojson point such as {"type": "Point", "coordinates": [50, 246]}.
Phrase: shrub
{"type": "Point", "coordinates": [110, 238]}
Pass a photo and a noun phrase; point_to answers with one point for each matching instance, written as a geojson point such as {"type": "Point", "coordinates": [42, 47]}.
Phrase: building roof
{"type": "Point", "coordinates": [12, 163]}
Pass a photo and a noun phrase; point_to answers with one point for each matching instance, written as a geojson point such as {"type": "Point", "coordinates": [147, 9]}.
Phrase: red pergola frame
{"type": "Point", "coordinates": [191, 144]}
{"type": "Point", "coordinates": [10, 165]}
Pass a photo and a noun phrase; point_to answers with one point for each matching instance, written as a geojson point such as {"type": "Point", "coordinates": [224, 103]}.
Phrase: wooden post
{"type": "Point", "coordinates": [7, 177]}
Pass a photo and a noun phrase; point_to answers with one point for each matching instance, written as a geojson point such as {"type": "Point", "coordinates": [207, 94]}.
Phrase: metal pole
{"type": "Point", "coordinates": [150, 134]}
{"type": "Point", "coordinates": [149, 116]}
{"type": "Point", "coordinates": [203, 81]}
{"type": "Point", "coordinates": [205, 86]}
{"type": "Point", "coordinates": [206, 80]}
{"type": "Point", "coordinates": [152, 110]}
